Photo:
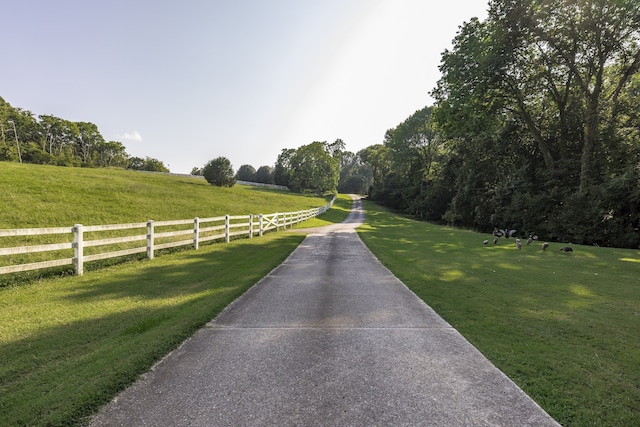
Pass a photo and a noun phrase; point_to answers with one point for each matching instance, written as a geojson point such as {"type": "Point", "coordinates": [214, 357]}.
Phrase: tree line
{"type": "Point", "coordinates": [536, 126]}
{"type": "Point", "coordinates": [48, 139]}
{"type": "Point", "coordinates": [318, 167]}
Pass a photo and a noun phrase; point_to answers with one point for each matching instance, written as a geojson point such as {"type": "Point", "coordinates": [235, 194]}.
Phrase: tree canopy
{"type": "Point", "coordinates": [314, 167]}
{"type": "Point", "coordinates": [534, 128]}
{"type": "Point", "coordinates": [219, 172]}
{"type": "Point", "coordinates": [52, 140]}
{"type": "Point", "coordinates": [246, 173]}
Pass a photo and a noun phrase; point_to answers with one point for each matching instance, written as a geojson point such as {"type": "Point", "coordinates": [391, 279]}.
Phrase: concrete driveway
{"type": "Point", "coordinates": [328, 338]}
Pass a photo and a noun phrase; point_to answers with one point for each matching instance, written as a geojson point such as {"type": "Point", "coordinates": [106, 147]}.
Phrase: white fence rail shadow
{"type": "Point", "coordinates": [82, 244]}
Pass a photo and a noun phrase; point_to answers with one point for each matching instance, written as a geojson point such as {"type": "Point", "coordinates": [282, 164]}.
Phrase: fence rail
{"type": "Point", "coordinates": [157, 235]}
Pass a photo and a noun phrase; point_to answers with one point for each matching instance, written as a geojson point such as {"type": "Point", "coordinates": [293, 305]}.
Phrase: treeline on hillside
{"type": "Point", "coordinates": [51, 140]}
{"type": "Point", "coordinates": [536, 127]}
{"type": "Point", "coordinates": [318, 167]}
{"type": "Point", "coordinates": [321, 167]}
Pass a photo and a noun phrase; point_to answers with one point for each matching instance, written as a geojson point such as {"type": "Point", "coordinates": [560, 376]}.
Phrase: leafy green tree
{"type": "Point", "coordinates": [219, 172]}
{"type": "Point", "coordinates": [570, 53]}
{"type": "Point", "coordinates": [246, 173]}
{"type": "Point", "coordinates": [53, 140]}
{"type": "Point", "coordinates": [264, 175]}
{"type": "Point", "coordinates": [535, 123]}
{"type": "Point", "coordinates": [148, 164]}
{"type": "Point", "coordinates": [196, 171]}
{"type": "Point", "coordinates": [355, 176]}
{"type": "Point", "coordinates": [86, 139]}
{"type": "Point", "coordinates": [313, 168]}
{"type": "Point", "coordinates": [110, 153]}
{"type": "Point", "coordinates": [282, 171]}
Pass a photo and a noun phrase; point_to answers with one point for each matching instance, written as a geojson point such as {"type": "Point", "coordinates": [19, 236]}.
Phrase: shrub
{"type": "Point", "coordinates": [219, 172]}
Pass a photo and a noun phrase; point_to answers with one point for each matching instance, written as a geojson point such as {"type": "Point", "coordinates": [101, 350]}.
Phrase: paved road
{"type": "Point", "coordinates": [329, 338]}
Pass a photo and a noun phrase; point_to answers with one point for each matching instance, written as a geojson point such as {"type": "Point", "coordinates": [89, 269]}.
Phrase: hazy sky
{"type": "Point", "coordinates": [187, 81]}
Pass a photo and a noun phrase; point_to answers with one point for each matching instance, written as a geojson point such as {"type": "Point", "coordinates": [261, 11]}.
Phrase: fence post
{"type": "Point", "coordinates": [260, 225]}
{"type": "Point", "coordinates": [78, 250]}
{"type": "Point", "coordinates": [196, 232]}
{"type": "Point", "coordinates": [150, 243]}
{"type": "Point", "coordinates": [226, 228]}
{"type": "Point", "coordinates": [250, 226]}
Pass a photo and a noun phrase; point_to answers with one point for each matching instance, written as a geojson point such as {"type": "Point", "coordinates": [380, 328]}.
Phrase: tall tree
{"type": "Point", "coordinates": [219, 172]}
{"type": "Point", "coordinates": [264, 175]}
{"type": "Point", "coordinates": [246, 173]}
{"type": "Point", "coordinates": [87, 138]}
{"type": "Point", "coordinates": [110, 153]}
{"type": "Point", "coordinates": [313, 168]}
{"type": "Point", "coordinates": [586, 49]}
{"type": "Point", "coordinates": [282, 170]}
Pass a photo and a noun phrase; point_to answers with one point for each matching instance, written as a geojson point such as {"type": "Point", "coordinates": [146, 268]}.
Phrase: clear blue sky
{"type": "Point", "coordinates": [187, 81]}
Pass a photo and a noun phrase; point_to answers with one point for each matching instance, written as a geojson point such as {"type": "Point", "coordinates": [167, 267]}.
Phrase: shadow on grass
{"type": "Point", "coordinates": [95, 334]}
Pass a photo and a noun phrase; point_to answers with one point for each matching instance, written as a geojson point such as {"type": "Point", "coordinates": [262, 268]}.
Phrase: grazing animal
{"type": "Point", "coordinates": [529, 240]}
{"type": "Point", "coordinates": [518, 243]}
{"type": "Point", "coordinates": [495, 240]}
{"type": "Point", "coordinates": [566, 249]}
{"type": "Point", "coordinates": [486, 242]}
{"type": "Point", "coordinates": [545, 245]}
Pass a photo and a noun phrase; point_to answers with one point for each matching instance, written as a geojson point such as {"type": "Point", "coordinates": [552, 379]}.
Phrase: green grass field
{"type": "Point", "coordinates": [50, 196]}
{"type": "Point", "coordinates": [35, 196]}
{"type": "Point", "coordinates": [69, 344]}
{"type": "Point", "coordinates": [564, 327]}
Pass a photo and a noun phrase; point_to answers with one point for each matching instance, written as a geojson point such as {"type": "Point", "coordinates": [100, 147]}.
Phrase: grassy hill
{"type": "Point", "coordinates": [49, 196]}
{"type": "Point", "coordinates": [35, 196]}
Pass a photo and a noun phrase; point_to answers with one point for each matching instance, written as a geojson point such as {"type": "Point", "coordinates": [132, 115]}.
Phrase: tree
{"type": "Point", "coordinates": [264, 175]}
{"type": "Point", "coordinates": [87, 138]}
{"type": "Point", "coordinates": [533, 107]}
{"type": "Point", "coordinates": [53, 140]}
{"type": "Point", "coordinates": [282, 170]}
{"type": "Point", "coordinates": [110, 153]}
{"type": "Point", "coordinates": [219, 172]}
{"type": "Point", "coordinates": [313, 168]}
{"type": "Point", "coordinates": [196, 171]}
{"type": "Point", "coordinates": [586, 51]}
{"type": "Point", "coordinates": [148, 164]}
{"type": "Point", "coordinates": [355, 176]}
{"type": "Point", "coordinates": [246, 173]}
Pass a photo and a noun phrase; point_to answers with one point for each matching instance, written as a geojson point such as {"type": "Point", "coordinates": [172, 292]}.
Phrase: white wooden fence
{"type": "Point", "coordinates": [156, 234]}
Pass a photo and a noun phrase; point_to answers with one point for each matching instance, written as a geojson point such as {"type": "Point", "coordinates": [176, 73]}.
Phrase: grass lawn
{"type": "Point", "coordinates": [69, 344]}
{"type": "Point", "coordinates": [36, 196]}
{"type": "Point", "coordinates": [564, 327]}
{"type": "Point", "coordinates": [52, 196]}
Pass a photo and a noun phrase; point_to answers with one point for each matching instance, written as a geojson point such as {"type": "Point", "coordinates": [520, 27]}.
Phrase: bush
{"type": "Point", "coordinates": [219, 172]}
{"type": "Point", "coordinates": [246, 173]}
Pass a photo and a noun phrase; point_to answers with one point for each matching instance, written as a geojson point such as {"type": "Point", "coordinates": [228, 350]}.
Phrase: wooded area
{"type": "Point", "coordinates": [51, 140]}
{"type": "Point", "coordinates": [536, 127]}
